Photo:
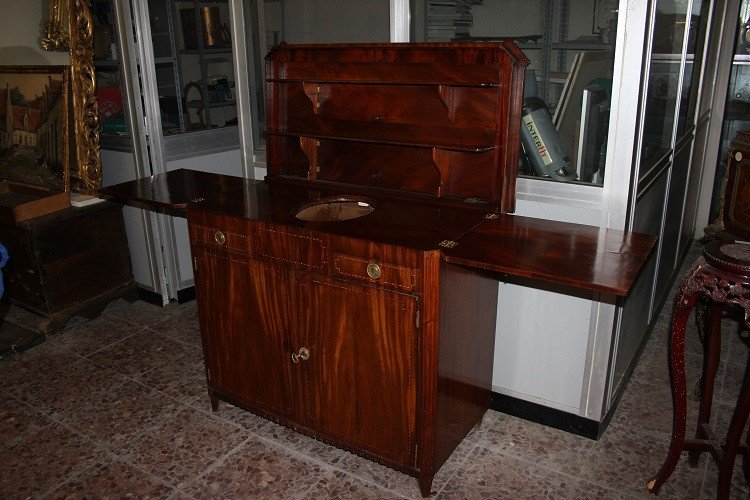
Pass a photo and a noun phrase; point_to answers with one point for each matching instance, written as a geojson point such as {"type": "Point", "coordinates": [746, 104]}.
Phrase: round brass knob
{"type": "Point", "coordinates": [373, 271]}
{"type": "Point", "coordinates": [219, 237]}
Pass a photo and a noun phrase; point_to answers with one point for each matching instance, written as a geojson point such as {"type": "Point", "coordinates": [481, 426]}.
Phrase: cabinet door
{"type": "Point", "coordinates": [244, 318]}
{"type": "Point", "coordinates": [360, 377]}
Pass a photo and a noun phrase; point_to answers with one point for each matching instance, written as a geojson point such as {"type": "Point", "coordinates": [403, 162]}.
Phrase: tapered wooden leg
{"type": "Point", "coordinates": [214, 401]}
{"type": "Point", "coordinates": [746, 456]}
{"type": "Point", "coordinates": [683, 305]}
{"type": "Point", "coordinates": [711, 356]}
{"type": "Point", "coordinates": [701, 312]}
{"type": "Point", "coordinates": [736, 429]}
{"type": "Point", "coordinates": [425, 486]}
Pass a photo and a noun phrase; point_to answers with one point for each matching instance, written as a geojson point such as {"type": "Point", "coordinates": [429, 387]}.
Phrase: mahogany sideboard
{"type": "Point", "coordinates": [352, 294]}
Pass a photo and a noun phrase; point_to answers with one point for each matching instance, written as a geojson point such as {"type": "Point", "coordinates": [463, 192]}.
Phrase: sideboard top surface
{"type": "Point", "coordinates": [587, 257]}
{"type": "Point", "coordinates": [577, 255]}
{"type": "Point", "coordinates": [173, 190]}
{"type": "Point", "coordinates": [416, 224]}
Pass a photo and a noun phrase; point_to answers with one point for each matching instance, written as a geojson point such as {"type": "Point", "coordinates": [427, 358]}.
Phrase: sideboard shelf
{"type": "Point", "coordinates": [459, 75]}
{"type": "Point", "coordinates": [395, 134]}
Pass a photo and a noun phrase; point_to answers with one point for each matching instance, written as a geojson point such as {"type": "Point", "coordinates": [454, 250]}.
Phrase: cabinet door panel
{"type": "Point", "coordinates": [244, 317]}
{"type": "Point", "coordinates": [361, 374]}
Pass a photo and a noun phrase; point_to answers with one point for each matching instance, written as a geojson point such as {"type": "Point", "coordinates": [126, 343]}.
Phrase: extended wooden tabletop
{"type": "Point", "coordinates": [577, 255]}
{"type": "Point", "coordinates": [587, 257]}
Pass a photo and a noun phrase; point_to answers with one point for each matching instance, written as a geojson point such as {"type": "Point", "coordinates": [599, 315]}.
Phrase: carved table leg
{"type": "Point", "coordinates": [711, 356]}
{"type": "Point", "coordinates": [685, 302]}
{"type": "Point", "coordinates": [736, 429]}
{"type": "Point", "coordinates": [700, 323]}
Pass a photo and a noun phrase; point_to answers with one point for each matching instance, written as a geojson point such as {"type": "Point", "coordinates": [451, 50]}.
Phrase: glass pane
{"type": "Point", "coordinates": [663, 81]}
{"type": "Point", "coordinates": [193, 63]}
{"type": "Point", "coordinates": [737, 110]}
{"type": "Point", "coordinates": [108, 74]}
{"type": "Point", "coordinates": [300, 21]}
{"type": "Point", "coordinates": [693, 60]}
{"type": "Point", "coordinates": [570, 46]}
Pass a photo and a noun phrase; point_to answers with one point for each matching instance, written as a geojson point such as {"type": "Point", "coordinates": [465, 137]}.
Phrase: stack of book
{"type": "Point", "coordinates": [448, 20]}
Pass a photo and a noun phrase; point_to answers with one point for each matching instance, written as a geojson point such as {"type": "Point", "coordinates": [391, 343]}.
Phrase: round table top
{"type": "Point", "coordinates": [728, 256]}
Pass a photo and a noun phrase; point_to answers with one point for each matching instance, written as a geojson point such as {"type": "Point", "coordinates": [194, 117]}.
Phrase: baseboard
{"type": "Point", "coordinates": [544, 415]}
{"type": "Point", "coordinates": [149, 296]}
{"type": "Point", "coordinates": [186, 295]}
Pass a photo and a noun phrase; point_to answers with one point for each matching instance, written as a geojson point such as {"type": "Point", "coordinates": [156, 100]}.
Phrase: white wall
{"type": "Point", "coordinates": [525, 17]}
{"type": "Point", "coordinates": [507, 18]}
{"type": "Point", "coordinates": [543, 333]}
{"type": "Point", "coordinates": [336, 21]}
{"type": "Point", "coordinates": [20, 33]}
{"type": "Point", "coordinates": [119, 166]}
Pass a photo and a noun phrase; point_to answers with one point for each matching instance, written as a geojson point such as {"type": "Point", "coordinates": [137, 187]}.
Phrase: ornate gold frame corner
{"type": "Point", "coordinates": [55, 37]}
{"type": "Point", "coordinates": [86, 169]}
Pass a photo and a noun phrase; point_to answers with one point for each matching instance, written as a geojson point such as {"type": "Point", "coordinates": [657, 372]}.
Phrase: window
{"type": "Point", "coordinates": [571, 51]}
{"type": "Point", "coordinates": [192, 58]}
{"type": "Point", "coordinates": [306, 21]}
{"type": "Point", "coordinates": [663, 81]}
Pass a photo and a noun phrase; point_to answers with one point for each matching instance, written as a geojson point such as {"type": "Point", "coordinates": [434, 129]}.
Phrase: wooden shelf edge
{"type": "Point", "coordinates": [394, 142]}
{"type": "Point", "coordinates": [523, 273]}
{"type": "Point", "coordinates": [382, 82]}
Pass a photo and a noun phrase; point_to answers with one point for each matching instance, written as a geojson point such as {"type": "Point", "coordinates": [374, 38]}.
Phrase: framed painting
{"type": "Point", "coordinates": [36, 143]}
{"type": "Point", "coordinates": [35, 120]}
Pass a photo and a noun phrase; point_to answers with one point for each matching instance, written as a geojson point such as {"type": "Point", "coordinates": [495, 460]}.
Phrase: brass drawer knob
{"type": "Point", "coordinates": [373, 271]}
{"type": "Point", "coordinates": [219, 237]}
{"type": "Point", "coordinates": [303, 354]}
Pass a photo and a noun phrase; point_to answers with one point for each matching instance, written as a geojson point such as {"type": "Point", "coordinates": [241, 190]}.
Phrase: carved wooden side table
{"type": "Point", "coordinates": [722, 278]}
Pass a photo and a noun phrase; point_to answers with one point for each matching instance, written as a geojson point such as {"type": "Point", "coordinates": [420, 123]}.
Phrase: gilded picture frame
{"type": "Point", "coordinates": [85, 167]}
{"type": "Point", "coordinates": [55, 30]}
{"type": "Point", "coordinates": [86, 172]}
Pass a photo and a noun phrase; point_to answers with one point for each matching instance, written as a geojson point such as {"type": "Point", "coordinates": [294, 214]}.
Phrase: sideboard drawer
{"type": "Point", "coordinates": [374, 271]}
{"type": "Point", "coordinates": [215, 237]}
{"type": "Point", "coordinates": [288, 247]}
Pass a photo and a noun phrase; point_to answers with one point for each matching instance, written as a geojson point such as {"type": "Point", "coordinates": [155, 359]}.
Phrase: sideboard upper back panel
{"type": "Point", "coordinates": [435, 119]}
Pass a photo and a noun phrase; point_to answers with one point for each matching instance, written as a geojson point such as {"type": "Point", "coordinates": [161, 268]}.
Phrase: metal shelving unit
{"type": "Point", "coordinates": [203, 53]}
{"type": "Point", "coordinates": [112, 66]}
{"type": "Point", "coordinates": [170, 60]}
{"type": "Point", "coordinates": [548, 74]}
{"type": "Point", "coordinates": [177, 70]}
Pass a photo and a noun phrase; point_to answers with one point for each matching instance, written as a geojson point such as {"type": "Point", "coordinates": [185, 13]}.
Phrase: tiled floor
{"type": "Point", "coordinates": [117, 407]}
